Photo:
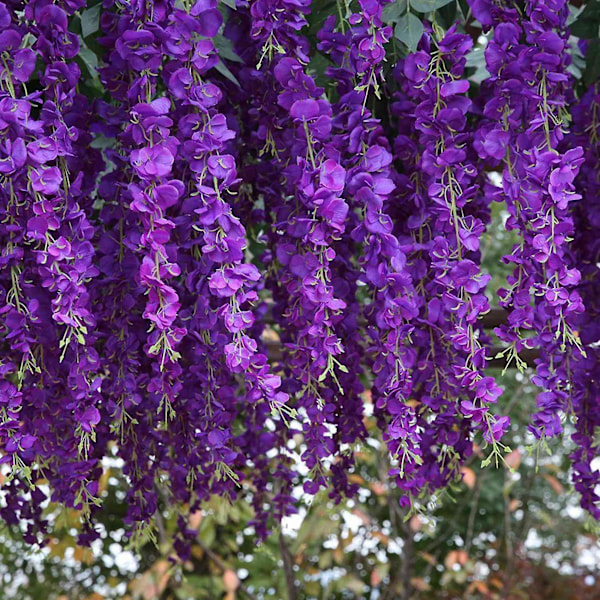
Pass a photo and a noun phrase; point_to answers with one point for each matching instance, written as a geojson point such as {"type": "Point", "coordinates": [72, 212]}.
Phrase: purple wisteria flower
{"type": "Point", "coordinates": [215, 251]}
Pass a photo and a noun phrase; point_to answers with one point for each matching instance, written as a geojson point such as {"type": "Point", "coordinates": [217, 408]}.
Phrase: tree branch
{"type": "Point", "coordinates": [221, 565]}
{"type": "Point", "coordinates": [288, 568]}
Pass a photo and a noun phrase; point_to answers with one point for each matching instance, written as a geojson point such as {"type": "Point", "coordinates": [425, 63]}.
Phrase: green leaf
{"type": "Point", "coordinates": [208, 531]}
{"type": "Point", "coordinates": [425, 6]}
{"type": "Point", "coordinates": [90, 20]}
{"type": "Point", "coordinates": [101, 143]}
{"type": "Point", "coordinates": [577, 65]}
{"type": "Point", "coordinates": [588, 22]}
{"type": "Point", "coordinates": [585, 29]}
{"type": "Point", "coordinates": [225, 48]}
{"type": "Point", "coordinates": [392, 13]}
{"type": "Point", "coordinates": [317, 67]}
{"type": "Point", "coordinates": [476, 60]}
{"type": "Point", "coordinates": [90, 60]}
{"type": "Point", "coordinates": [447, 15]}
{"type": "Point", "coordinates": [90, 86]}
{"type": "Point", "coordinates": [409, 31]}
{"type": "Point", "coordinates": [319, 14]}
{"type": "Point", "coordinates": [222, 68]}
{"type": "Point", "coordinates": [592, 66]}
{"type": "Point", "coordinates": [229, 3]}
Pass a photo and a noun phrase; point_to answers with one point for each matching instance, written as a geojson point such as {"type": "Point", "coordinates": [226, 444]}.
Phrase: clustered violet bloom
{"type": "Point", "coordinates": [439, 191]}
{"type": "Point", "coordinates": [523, 130]}
{"type": "Point", "coordinates": [48, 173]}
{"type": "Point", "coordinates": [158, 234]}
{"type": "Point", "coordinates": [586, 252]}
{"type": "Point", "coordinates": [188, 256]}
{"type": "Point", "coordinates": [313, 217]}
{"type": "Point", "coordinates": [358, 54]}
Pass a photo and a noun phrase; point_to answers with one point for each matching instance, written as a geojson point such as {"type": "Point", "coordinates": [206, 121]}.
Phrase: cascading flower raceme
{"type": "Point", "coordinates": [190, 263]}
{"type": "Point", "coordinates": [526, 123]}
{"type": "Point", "coordinates": [365, 154]}
{"type": "Point", "coordinates": [585, 251]}
{"type": "Point", "coordinates": [215, 252]}
{"type": "Point", "coordinates": [313, 216]}
{"type": "Point", "coordinates": [52, 368]}
{"type": "Point", "coordinates": [524, 133]}
{"type": "Point", "coordinates": [441, 240]}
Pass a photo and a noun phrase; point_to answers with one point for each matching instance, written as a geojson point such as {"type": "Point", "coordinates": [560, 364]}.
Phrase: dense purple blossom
{"type": "Point", "coordinates": [438, 185]}
{"type": "Point", "coordinates": [524, 125]}
{"type": "Point", "coordinates": [586, 252]}
{"type": "Point", "coordinates": [208, 191]}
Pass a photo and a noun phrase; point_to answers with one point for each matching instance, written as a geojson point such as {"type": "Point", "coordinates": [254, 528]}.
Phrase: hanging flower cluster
{"type": "Point", "coordinates": [586, 255]}
{"type": "Point", "coordinates": [359, 54]}
{"type": "Point", "coordinates": [439, 187]}
{"type": "Point", "coordinates": [312, 213]}
{"type": "Point", "coordinates": [211, 248]}
{"type": "Point", "coordinates": [529, 92]}
{"type": "Point", "coordinates": [51, 367]}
